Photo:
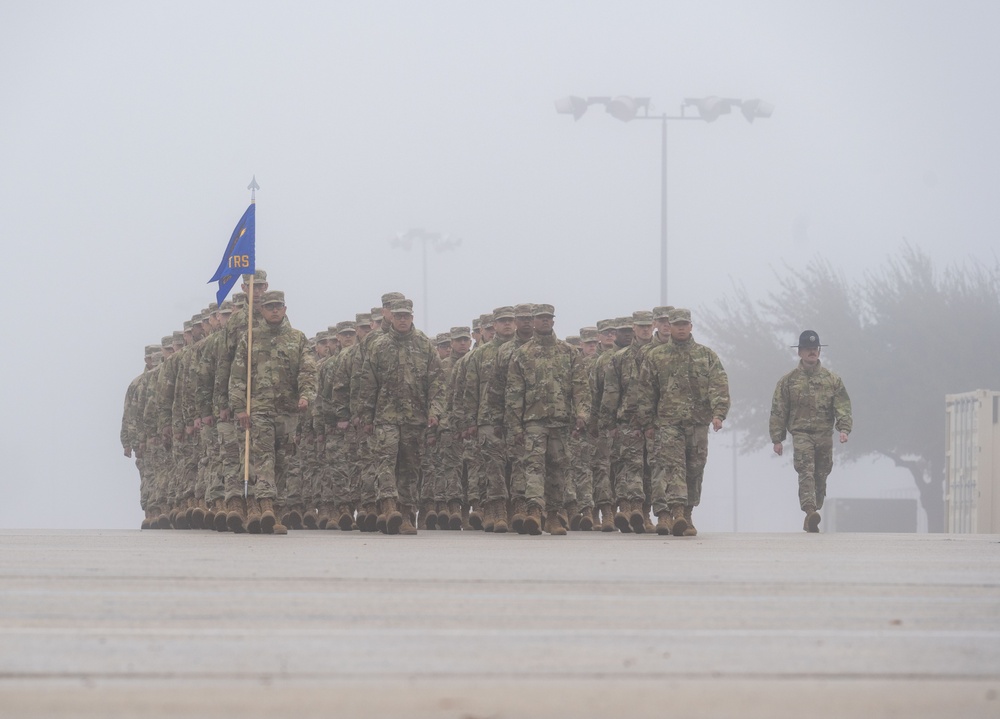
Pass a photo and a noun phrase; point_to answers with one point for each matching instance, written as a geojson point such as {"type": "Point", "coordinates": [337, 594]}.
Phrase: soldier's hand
{"type": "Point", "coordinates": [178, 436]}
{"type": "Point", "coordinates": [303, 404]}
{"type": "Point", "coordinates": [369, 428]}
{"type": "Point", "coordinates": [244, 419]}
{"type": "Point", "coordinates": [189, 430]}
{"type": "Point", "coordinates": [843, 437]}
{"type": "Point", "coordinates": [224, 415]}
{"type": "Point", "coordinates": [197, 423]}
{"type": "Point", "coordinates": [650, 433]}
{"type": "Point", "coordinates": [343, 425]}
{"type": "Point", "coordinates": [128, 452]}
{"type": "Point", "coordinates": [716, 423]}
{"type": "Point", "coordinates": [432, 422]}
{"type": "Point", "coordinates": [777, 448]}
{"type": "Point", "coordinates": [207, 421]}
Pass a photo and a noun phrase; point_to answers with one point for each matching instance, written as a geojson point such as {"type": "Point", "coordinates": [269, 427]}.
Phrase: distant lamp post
{"type": "Point", "coordinates": [441, 243]}
{"type": "Point", "coordinates": [626, 109]}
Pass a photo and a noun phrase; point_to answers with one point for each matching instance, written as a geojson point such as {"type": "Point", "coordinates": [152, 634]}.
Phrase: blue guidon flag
{"type": "Point", "coordinates": [240, 255]}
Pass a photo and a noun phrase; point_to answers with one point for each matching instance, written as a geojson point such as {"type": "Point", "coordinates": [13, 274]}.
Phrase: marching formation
{"type": "Point", "coordinates": [374, 426]}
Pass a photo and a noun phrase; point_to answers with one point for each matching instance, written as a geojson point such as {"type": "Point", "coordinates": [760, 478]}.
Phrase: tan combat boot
{"type": "Point", "coordinates": [310, 519]}
{"type": "Point", "coordinates": [422, 516]}
{"type": "Point", "coordinates": [573, 514]}
{"type": "Point", "coordinates": [622, 517]}
{"type": "Point", "coordinates": [489, 516]}
{"type": "Point", "coordinates": [690, 531]}
{"type": "Point", "coordinates": [679, 522]}
{"type": "Point", "coordinates": [664, 525]}
{"type": "Point", "coordinates": [636, 518]}
{"type": "Point", "coordinates": [533, 520]}
{"type": "Point", "coordinates": [553, 525]}
{"type": "Point", "coordinates": [499, 516]}
{"type": "Point", "coordinates": [393, 515]}
{"type": "Point", "coordinates": [267, 518]}
{"type": "Point", "coordinates": [324, 510]}
{"type": "Point", "coordinates": [369, 513]}
{"type": "Point", "coordinates": [475, 516]}
{"type": "Point", "coordinates": [607, 518]}
{"type": "Point", "coordinates": [429, 515]}
{"type": "Point", "coordinates": [519, 512]}
{"type": "Point", "coordinates": [647, 523]}
{"type": "Point", "coordinates": [406, 527]}
{"type": "Point", "coordinates": [345, 518]}
{"type": "Point", "coordinates": [595, 519]}
{"type": "Point", "coordinates": [236, 516]}
{"type": "Point", "coordinates": [454, 514]}
{"type": "Point", "coordinates": [586, 521]}
{"type": "Point", "coordinates": [811, 523]}
{"type": "Point", "coordinates": [253, 515]}
{"type": "Point", "coordinates": [198, 514]}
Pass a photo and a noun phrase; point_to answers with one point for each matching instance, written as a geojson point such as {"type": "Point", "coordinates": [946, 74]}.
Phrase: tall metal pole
{"type": "Point", "coordinates": [663, 212]}
{"type": "Point", "coordinates": [423, 242]}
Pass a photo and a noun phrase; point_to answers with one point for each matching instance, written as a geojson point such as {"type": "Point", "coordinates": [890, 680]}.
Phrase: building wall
{"type": "Point", "coordinates": [973, 462]}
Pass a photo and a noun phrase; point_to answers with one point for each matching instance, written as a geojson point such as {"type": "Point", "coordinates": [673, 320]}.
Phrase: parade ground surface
{"type": "Point", "coordinates": [471, 626]}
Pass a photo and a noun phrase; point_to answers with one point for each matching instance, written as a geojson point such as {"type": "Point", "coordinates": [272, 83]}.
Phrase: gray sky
{"type": "Point", "coordinates": [129, 131]}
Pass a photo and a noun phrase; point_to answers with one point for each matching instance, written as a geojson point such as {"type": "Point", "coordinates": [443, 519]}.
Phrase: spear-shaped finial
{"type": "Point", "coordinates": [253, 187]}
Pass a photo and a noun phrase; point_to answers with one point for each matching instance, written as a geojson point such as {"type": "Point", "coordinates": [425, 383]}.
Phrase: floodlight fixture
{"type": "Point", "coordinates": [752, 109]}
{"type": "Point", "coordinates": [572, 105]}
{"type": "Point", "coordinates": [711, 107]}
{"type": "Point", "coordinates": [625, 108]}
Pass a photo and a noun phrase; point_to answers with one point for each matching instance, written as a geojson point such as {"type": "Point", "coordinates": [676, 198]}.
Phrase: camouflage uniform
{"type": "Point", "coordinates": [283, 372]}
{"type": "Point", "coordinates": [401, 388]}
{"type": "Point", "coordinates": [337, 470]}
{"type": "Point", "coordinates": [546, 396]}
{"type": "Point", "coordinates": [810, 403]}
{"type": "Point", "coordinates": [685, 387]}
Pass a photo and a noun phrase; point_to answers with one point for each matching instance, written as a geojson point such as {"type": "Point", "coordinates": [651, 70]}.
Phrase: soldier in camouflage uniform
{"type": "Point", "coordinates": [580, 487]}
{"type": "Point", "coordinates": [401, 395]}
{"type": "Point", "coordinates": [312, 486]}
{"type": "Point", "coordinates": [338, 432]}
{"type": "Point", "coordinates": [211, 465]}
{"type": "Point", "coordinates": [810, 402]}
{"type": "Point", "coordinates": [685, 389]}
{"type": "Point", "coordinates": [283, 383]}
{"type": "Point", "coordinates": [661, 326]}
{"type": "Point", "coordinates": [155, 446]}
{"type": "Point", "coordinates": [604, 495]}
{"type": "Point", "coordinates": [496, 390]}
{"type": "Point", "coordinates": [448, 472]}
{"type": "Point", "coordinates": [484, 427]}
{"type": "Point", "coordinates": [547, 396]}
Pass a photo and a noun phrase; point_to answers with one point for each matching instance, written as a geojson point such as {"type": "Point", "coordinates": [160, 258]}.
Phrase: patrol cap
{"type": "Point", "coordinates": [401, 306]}
{"type": "Point", "coordinates": [588, 334]}
{"type": "Point", "coordinates": [239, 298]}
{"type": "Point", "coordinates": [227, 306]}
{"type": "Point", "coordinates": [458, 333]}
{"type": "Point", "coordinates": [177, 338]}
{"type": "Point", "coordinates": [442, 338]}
{"type": "Point", "coordinates": [809, 339]}
{"type": "Point", "coordinates": [679, 314]}
{"type": "Point", "coordinates": [331, 330]}
{"type": "Point", "coordinates": [346, 327]}
{"type": "Point", "coordinates": [503, 313]}
{"type": "Point", "coordinates": [151, 350]}
{"type": "Point", "coordinates": [662, 312]}
{"type": "Point", "coordinates": [167, 341]}
{"type": "Point", "coordinates": [389, 297]}
{"type": "Point", "coordinates": [525, 309]}
{"type": "Point", "coordinates": [642, 317]}
{"type": "Point", "coordinates": [322, 336]}
{"type": "Point", "coordinates": [605, 325]}
{"type": "Point", "coordinates": [273, 297]}
{"type": "Point", "coordinates": [476, 323]}
{"type": "Point", "coordinates": [543, 309]}
{"type": "Point", "coordinates": [362, 318]}
{"type": "Point", "coordinates": [258, 276]}
{"type": "Point", "coordinates": [187, 325]}
{"type": "Point", "coordinates": [622, 323]}
{"type": "Point", "coordinates": [213, 306]}
{"type": "Point", "coordinates": [376, 313]}
{"type": "Point", "coordinates": [486, 320]}
{"type": "Point", "coordinates": [573, 340]}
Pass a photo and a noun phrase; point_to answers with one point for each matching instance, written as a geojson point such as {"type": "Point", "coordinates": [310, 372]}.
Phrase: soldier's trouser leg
{"type": "Point", "coordinates": [669, 468]}
{"type": "Point", "coordinates": [601, 470]}
{"type": "Point", "coordinates": [367, 468]}
{"type": "Point", "coordinates": [449, 467]}
{"type": "Point", "coordinates": [813, 460]}
{"type": "Point", "coordinates": [207, 442]}
{"type": "Point", "coordinates": [263, 440]}
{"type": "Point", "coordinates": [338, 468]}
{"type": "Point", "coordinates": [518, 478]}
{"type": "Point", "coordinates": [285, 458]}
{"type": "Point", "coordinates": [231, 438]}
{"type": "Point", "coordinates": [582, 474]}
{"type": "Point", "coordinates": [397, 450]}
{"type": "Point", "coordinates": [491, 467]}
{"type": "Point", "coordinates": [428, 473]}
{"type": "Point", "coordinates": [696, 454]}
{"type": "Point", "coordinates": [545, 462]}
{"type": "Point", "coordinates": [471, 472]}
{"type": "Point", "coordinates": [628, 480]}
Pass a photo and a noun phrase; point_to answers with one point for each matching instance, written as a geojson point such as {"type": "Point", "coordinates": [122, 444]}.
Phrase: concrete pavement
{"type": "Point", "coordinates": [168, 623]}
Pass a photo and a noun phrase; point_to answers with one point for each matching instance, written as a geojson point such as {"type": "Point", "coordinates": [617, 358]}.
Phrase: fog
{"type": "Point", "coordinates": [129, 132]}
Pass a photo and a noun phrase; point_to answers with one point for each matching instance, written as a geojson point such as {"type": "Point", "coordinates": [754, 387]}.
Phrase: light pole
{"type": "Point", "coordinates": [441, 243]}
{"type": "Point", "coordinates": [627, 108]}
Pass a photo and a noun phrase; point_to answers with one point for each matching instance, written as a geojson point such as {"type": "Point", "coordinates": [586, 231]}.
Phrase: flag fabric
{"type": "Point", "coordinates": [240, 256]}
